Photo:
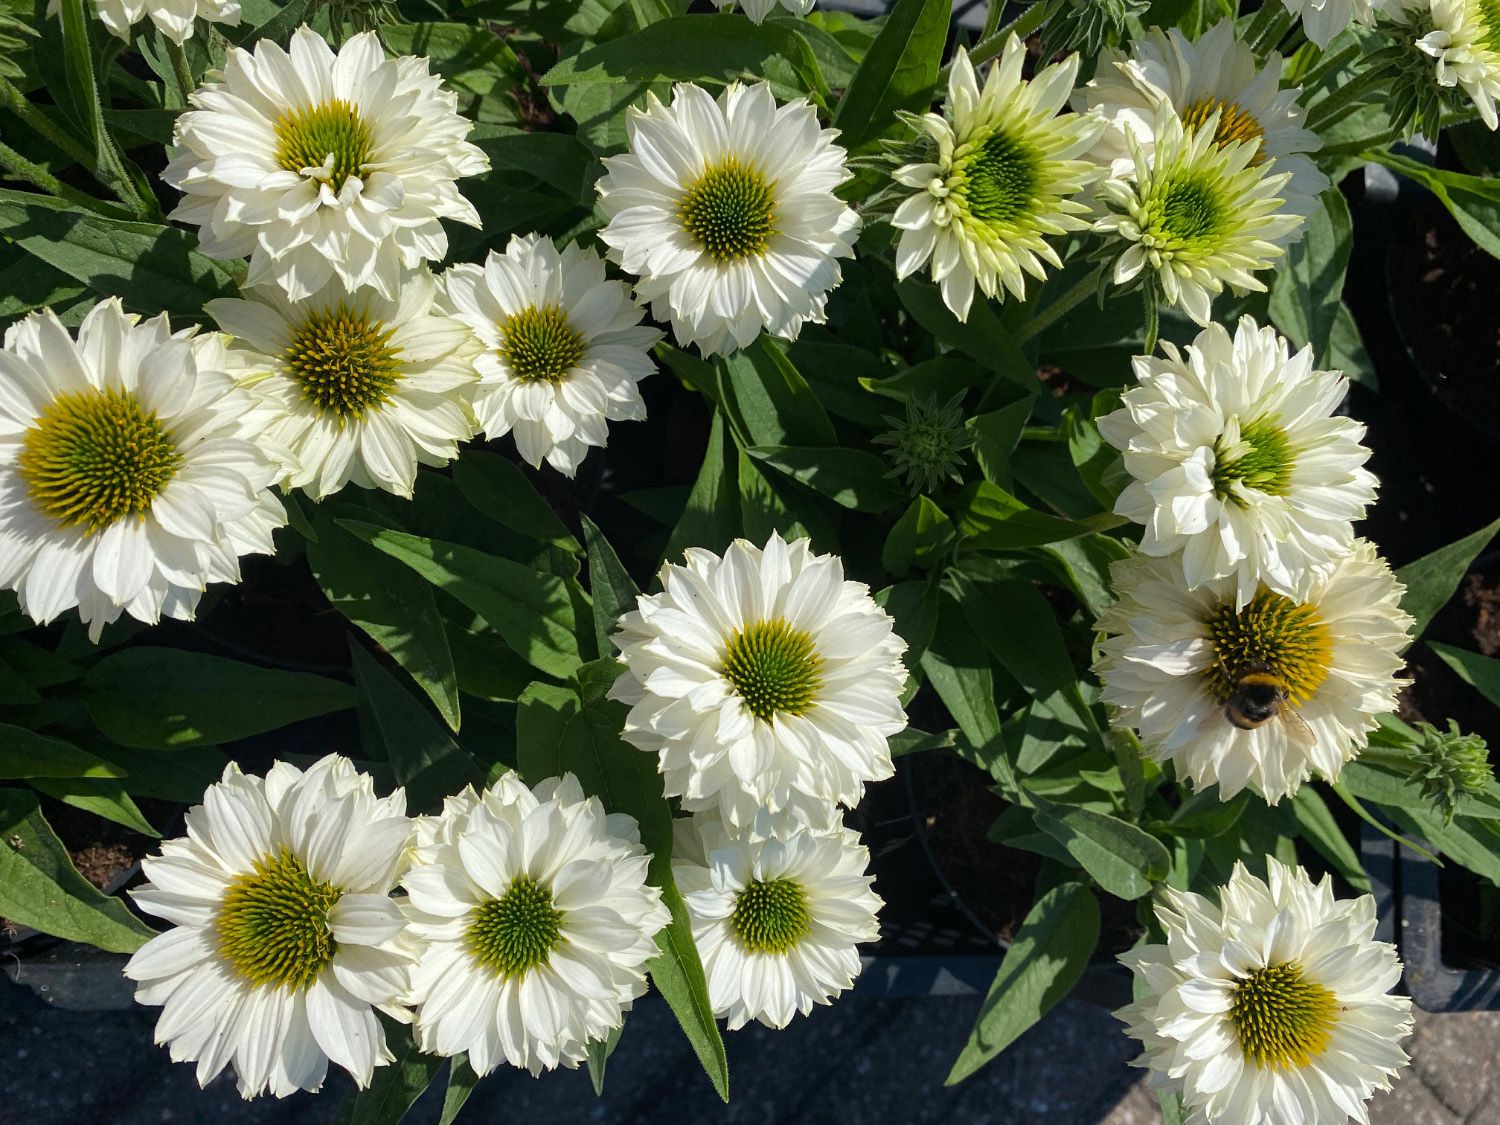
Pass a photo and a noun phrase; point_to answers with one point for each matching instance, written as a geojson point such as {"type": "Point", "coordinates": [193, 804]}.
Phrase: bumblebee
{"type": "Point", "coordinates": [1257, 695]}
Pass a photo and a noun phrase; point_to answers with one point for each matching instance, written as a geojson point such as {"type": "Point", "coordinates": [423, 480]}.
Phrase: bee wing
{"type": "Point", "coordinates": [1296, 727]}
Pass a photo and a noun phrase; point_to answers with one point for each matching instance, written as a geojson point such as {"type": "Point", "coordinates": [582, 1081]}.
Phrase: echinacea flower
{"type": "Point", "coordinates": [1465, 41]}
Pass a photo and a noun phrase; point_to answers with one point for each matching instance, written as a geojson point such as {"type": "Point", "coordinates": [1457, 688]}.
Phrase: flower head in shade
{"type": "Point", "coordinates": [1465, 41]}
{"type": "Point", "coordinates": [285, 939]}
{"type": "Point", "coordinates": [1215, 73]}
{"type": "Point", "coordinates": [927, 446]}
{"type": "Point", "coordinates": [1323, 20]}
{"type": "Point", "coordinates": [777, 914]}
{"type": "Point", "coordinates": [758, 10]}
{"type": "Point", "coordinates": [173, 18]}
{"type": "Point", "coordinates": [360, 388]}
{"type": "Point", "coordinates": [1000, 184]}
{"type": "Point", "coordinates": [762, 680]}
{"type": "Point", "coordinates": [1272, 1006]}
{"type": "Point", "coordinates": [130, 474]}
{"type": "Point", "coordinates": [1197, 212]}
{"type": "Point", "coordinates": [1178, 666]}
{"type": "Point", "coordinates": [725, 210]}
{"type": "Point", "coordinates": [1238, 460]}
{"type": "Point", "coordinates": [563, 348]}
{"type": "Point", "coordinates": [537, 922]}
{"type": "Point", "coordinates": [323, 167]}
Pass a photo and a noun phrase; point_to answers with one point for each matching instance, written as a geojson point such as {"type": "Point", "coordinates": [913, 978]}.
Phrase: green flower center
{"type": "Point", "coordinates": [730, 211]}
{"type": "Point", "coordinates": [771, 917]}
{"type": "Point", "coordinates": [343, 362]}
{"type": "Point", "coordinates": [1235, 124]}
{"type": "Point", "coordinates": [540, 345]}
{"type": "Point", "coordinates": [997, 179]}
{"type": "Point", "coordinates": [94, 457]}
{"type": "Point", "coordinates": [305, 138]}
{"type": "Point", "coordinates": [273, 924]}
{"type": "Point", "coordinates": [1262, 459]}
{"type": "Point", "coordinates": [1186, 211]}
{"type": "Point", "coordinates": [1290, 639]}
{"type": "Point", "coordinates": [1489, 20]}
{"type": "Point", "coordinates": [774, 668]}
{"type": "Point", "coordinates": [515, 933]}
{"type": "Point", "coordinates": [1282, 1019]}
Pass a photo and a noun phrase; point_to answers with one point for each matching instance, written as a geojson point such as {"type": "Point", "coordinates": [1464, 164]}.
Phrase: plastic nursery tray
{"type": "Point", "coordinates": [1435, 986]}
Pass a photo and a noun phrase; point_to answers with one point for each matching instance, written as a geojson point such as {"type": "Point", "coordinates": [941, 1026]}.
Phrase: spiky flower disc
{"type": "Point", "coordinates": [562, 348]}
{"type": "Point", "coordinates": [1272, 1006]}
{"type": "Point", "coordinates": [323, 167]}
{"type": "Point", "coordinates": [1240, 466]}
{"type": "Point", "coordinates": [1465, 41]}
{"type": "Point", "coordinates": [131, 468]}
{"type": "Point", "coordinates": [359, 388]}
{"type": "Point", "coordinates": [285, 939]}
{"type": "Point", "coordinates": [762, 681]}
{"type": "Point", "coordinates": [725, 209]}
{"type": "Point", "coordinates": [778, 913]}
{"type": "Point", "coordinates": [1215, 73]}
{"type": "Point", "coordinates": [1194, 214]}
{"type": "Point", "coordinates": [1173, 657]}
{"type": "Point", "coordinates": [1001, 183]}
{"type": "Point", "coordinates": [538, 924]}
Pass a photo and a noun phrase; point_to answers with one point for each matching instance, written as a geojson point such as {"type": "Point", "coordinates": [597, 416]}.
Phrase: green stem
{"type": "Point", "coordinates": [1258, 22]}
{"type": "Point", "coordinates": [1065, 303]}
{"type": "Point", "coordinates": [18, 104]}
{"type": "Point", "coordinates": [1364, 814]}
{"type": "Point", "coordinates": [180, 67]}
{"type": "Point", "coordinates": [1346, 99]}
{"type": "Point", "coordinates": [1275, 30]}
{"type": "Point", "coordinates": [991, 45]}
{"type": "Point", "coordinates": [37, 176]}
{"type": "Point", "coordinates": [1331, 64]}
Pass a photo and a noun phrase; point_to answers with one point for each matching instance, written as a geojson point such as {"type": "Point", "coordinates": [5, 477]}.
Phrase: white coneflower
{"type": "Point", "coordinates": [563, 348]}
{"type": "Point", "coordinates": [1272, 1006]}
{"type": "Point", "coordinates": [1196, 213]}
{"type": "Point", "coordinates": [777, 915]}
{"type": "Point", "coordinates": [538, 924]}
{"type": "Point", "coordinates": [1215, 73]}
{"type": "Point", "coordinates": [173, 18]}
{"type": "Point", "coordinates": [130, 477]}
{"type": "Point", "coordinates": [1178, 666]}
{"type": "Point", "coordinates": [758, 10]}
{"type": "Point", "coordinates": [1006, 167]}
{"type": "Point", "coordinates": [762, 680]}
{"type": "Point", "coordinates": [285, 939]}
{"type": "Point", "coordinates": [1323, 20]}
{"type": "Point", "coordinates": [321, 167]}
{"type": "Point", "coordinates": [725, 210]}
{"type": "Point", "coordinates": [360, 388]}
{"type": "Point", "coordinates": [1238, 460]}
{"type": "Point", "coordinates": [1465, 41]}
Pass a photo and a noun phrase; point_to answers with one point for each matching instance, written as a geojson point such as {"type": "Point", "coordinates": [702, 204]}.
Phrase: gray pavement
{"type": "Point", "coordinates": [863, 1060]}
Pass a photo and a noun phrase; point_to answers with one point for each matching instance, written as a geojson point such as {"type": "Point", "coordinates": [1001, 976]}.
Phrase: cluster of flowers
{"type": "Point", "coordinates": [523, 922]}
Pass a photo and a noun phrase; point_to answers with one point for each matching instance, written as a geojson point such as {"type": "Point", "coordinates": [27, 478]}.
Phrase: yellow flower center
{"type": "Point", "coordinates": [730, 211]}
{"type": "Point", "coordinates": [540, 344]}
{"type": "Point", "coordinates": [1235, 124]}
{"type": "Point", "coordinates": [1290, 639]}
{"type": "Point", "coordinates": [771, 917]}
{"type": "Point", "coordinates": [94, 457]}
{"type": "Point", "coordinates": [1282, 1019]}
{"type": "Point", "coordinates": [306, 138]}
{"type": "Point", "coordinates": [342, 360]}
{"type": "Point", "coordinates": [774, 668]}
{"type": "Point", "coordinates": [273, 924]}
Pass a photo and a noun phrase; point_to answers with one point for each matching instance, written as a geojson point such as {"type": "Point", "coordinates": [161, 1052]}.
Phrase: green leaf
{"type": "Point", "coordinates": [851, 478]}
{"type": "Point", "coordinates": [982, 336]}
{"type": "Point", "coordinates": [161, 698]}
{"type": "Point", "coordinates": [898, 72]}
{"type": "Point", "coordinates": [472, 59]}
{"type": "Point", "coordinates": [530, 609]}
{"type": "Point", "coordinates": [277, 29]}
{"type": "Point", "coordinates": [40, 888]}
{"type": "Point", "coordinates": [27, 754]}
{"type": "Point", "coordinates": [1049, 954]}
{"type": "Point", "coordinates": [1322, 832]}
{"type": "Point", "coordinates": [423, 756]}
{"type": "Point", "coordinates": [992, 519]}
{"type": "Point", "coordinates": [1123, 859]}
{"type": "Point", "coordinates": [920, 538]}
{"type": "Point", "coordinates": [502, 491]}
{"type": "Point", "coordinates": [599, 1051]}
{"type": "Point", "coordinates": [101, 796]}
{"type": "Point", "coordinates": [1482, 673]}
{"type": "Point", "coordinates": [110, 164]}
{"type": "Point", "coordinates": [1472, 200]}
{"type": "Point", "coordinates": [180, 776]}
{"type": "Point", "coordinates": [389, 603]}
{"type": "Point", "coordinates": [151, 268]}
{"type": "Point", "coordinates": [1306, 290]}
{"type": "Point", "coordinates": [957, 666]}
{"type": "Point", "coordinates": [996, 435]}
{"type": "Point", "coordinates": [709, 520]}
{"type": "Point", "coordinates": [461, 1083]}
{"type": "Point", "coordinates": [395, 1087]}
{"type": "Point", "coordinates": [774, 400]}
{"type": "Point", "coordinates": [1432, 579]}
{"type": "Point", "coordinates": [613, 590]}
